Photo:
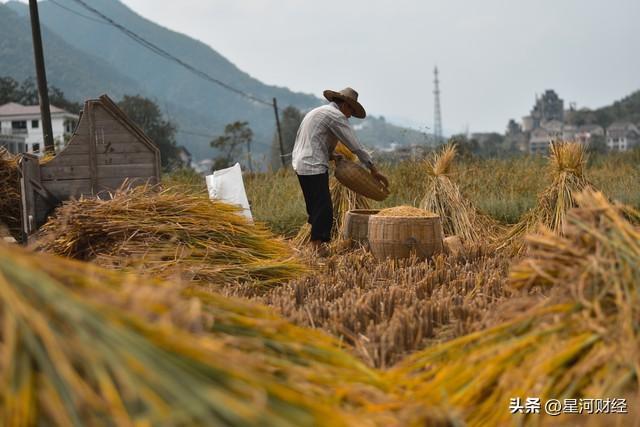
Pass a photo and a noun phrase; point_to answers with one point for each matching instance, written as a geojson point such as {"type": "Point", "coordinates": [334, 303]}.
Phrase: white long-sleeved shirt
{"type": "Point", "coordinates": [318, 136]}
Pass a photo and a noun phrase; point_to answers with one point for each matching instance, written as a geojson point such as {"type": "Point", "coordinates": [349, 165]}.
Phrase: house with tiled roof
{"type": "Point", "coordinates": [539, 139]}
{"type": "Point", "coordinates": [622, 136]}
{"type": "Point", "coordinates": [21, 127]}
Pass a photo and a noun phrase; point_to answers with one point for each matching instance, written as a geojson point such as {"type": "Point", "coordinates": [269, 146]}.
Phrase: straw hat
{"type": "Point", "coordinates": [350, 96]}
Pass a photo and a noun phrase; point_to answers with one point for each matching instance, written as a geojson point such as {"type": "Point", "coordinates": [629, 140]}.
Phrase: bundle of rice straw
{"type": "Point", "coordinates": [443, 197]}
{"type": "Point", "coordinates": [85, 346]}
{"type": "Point", "coordinates": [580, 340]}
{"type": "Point", "coordinates": [163, 233]}
{"type": "Point", "coordinates": [567, 161]}
{"type": "Point", "coordinates": [342, 199]}
{"type": "Point", "coordinates": [82, 345]}
{"type": "Point", "coordinates": [10, 193]}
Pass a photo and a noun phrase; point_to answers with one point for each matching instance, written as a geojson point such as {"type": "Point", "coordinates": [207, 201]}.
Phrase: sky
{"type": "Point", "coordinates": [494, 56]}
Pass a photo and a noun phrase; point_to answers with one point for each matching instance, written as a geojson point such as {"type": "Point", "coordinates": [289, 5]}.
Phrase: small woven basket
{"type": "Point", "coordinates": [356, 178]}
{"type": "Point", "coordinates": [356, 225]}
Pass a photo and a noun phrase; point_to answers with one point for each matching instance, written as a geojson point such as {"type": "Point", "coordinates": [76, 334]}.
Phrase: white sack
{"type": "Point", "coordinates": [227, 185]}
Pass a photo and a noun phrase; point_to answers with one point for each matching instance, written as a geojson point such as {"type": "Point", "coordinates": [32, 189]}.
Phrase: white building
{"type": "Point", "coordinates": [22, 122]}
{"type": "Point", "coordinates": [622, 136]}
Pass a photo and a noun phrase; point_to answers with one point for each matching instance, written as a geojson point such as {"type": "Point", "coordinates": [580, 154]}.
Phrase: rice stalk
{"type": "Point", "coordinates": [389, 309]}
{"type": "Point", "coordinates": [567, 162]}
{"type": "Point", "coordinates": [10, 193]}
{"type": "Point", "coordinates": [166, 233]}
{"type": "Point", "coordinates": [581, 340]}
{"type": "Point", "coordinates": [443, 197]}
{"type": "Point", "coordinates": [71, 354]}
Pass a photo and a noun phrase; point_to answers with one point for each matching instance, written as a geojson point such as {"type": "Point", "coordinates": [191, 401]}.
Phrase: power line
{"type": "Point", "coordinates": [75, 12]}
{"type": "Point", "coordinates": [161, 52]}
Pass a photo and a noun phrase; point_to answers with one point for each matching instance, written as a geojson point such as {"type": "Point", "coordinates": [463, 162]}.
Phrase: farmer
{"type": "Point", "coordinates": [316, 140]}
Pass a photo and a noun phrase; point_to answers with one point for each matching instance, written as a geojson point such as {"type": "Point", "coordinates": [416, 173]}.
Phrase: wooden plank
{"type": "Point", "coordinates": [66, 173]}
{"type": "Point", "coordinates": [126, 159]}
{"type": "Point", "coordinates": [64, 190]}
{"type": "Point", "coordinates": [83, 127]}
{"type": "Point", "coordinates": [28, 171]}
{"type": "Point", "coordinates": [115, 158]}
{"type": "Point", "coordinates": [121, 137]}
{"type": "Point", "coordinates": [111, 126]}
{"type": "Point", "coordinates": [137, 170]}
{"type": "Point", "coordinates": [67, 189]}
{"type": "Point", "coordinates": [66, 159]}
{"type": "Point", "coordinates": [123, 147]}
{"type": "Point", "coordinates": [112, 184]}
{"type": "Point", "coordinates": [101, 113]}
{"type": "Point", "coordinates": [93, 167]}
{"type": "Point", "coordinates": [118, 144]}
{"type": "Point", "coordinates": [108, 104]}
{"type": "Point", "coordinates": [36, 202]}
{"type": "Point", "coordinates": [78, 144]}
{"type": "Point", "coordinates": [61, 173]}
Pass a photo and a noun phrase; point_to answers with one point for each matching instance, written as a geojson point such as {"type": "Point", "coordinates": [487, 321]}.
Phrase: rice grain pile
{"type": "Point", "coordinates": [166, 233]}
{"type": "Point", "coordinates": [406, 211]}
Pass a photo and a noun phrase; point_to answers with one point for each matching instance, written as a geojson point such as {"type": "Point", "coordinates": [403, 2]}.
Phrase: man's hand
{"type": "Point", "coordinates": [380, 177]}
{"type": "Point", "coordinates": [336, 157]}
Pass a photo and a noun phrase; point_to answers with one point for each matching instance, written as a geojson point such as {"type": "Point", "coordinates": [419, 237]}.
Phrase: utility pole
{"type": "Point", "coordinates": [437, 117]}
{"type": "Point", "coordinates": [43, 93]}
{"type": "Point", "coordinates": [275, 110]}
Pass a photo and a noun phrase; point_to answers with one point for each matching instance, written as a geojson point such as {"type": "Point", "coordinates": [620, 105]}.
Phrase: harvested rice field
{"type": "Point", "coordinates": [162, 307]}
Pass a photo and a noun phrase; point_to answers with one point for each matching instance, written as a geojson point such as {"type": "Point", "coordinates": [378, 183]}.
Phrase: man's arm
{"type": "Point", "coordinates": [345, 133]}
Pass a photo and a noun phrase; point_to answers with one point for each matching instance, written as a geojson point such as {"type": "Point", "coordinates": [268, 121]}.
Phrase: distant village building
{"type": "Point", "coordinates": [548, 107]}
{"type": "Point", "coordinates": [396, 152]}
{"type": "Point", "coordinates": [21, 127]}
{"type": "Point", "coordinates": [546, 123]}
{"type": "Point", "coordinates": [539, 141]}
{"type": "Point", "coordinates": [586, 133]}
{"type": "Point", "coordinates": [514, 136]}
{"type": "Point", "coordinates": [622, 136]}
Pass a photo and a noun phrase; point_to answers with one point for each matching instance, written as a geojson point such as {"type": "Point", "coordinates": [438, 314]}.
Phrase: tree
{"type": "Point", "coordinates": [147, 115]}
{"type": "Point", "coordinates": [26, 93]}
{"type": "Point", "coordinates": [467, 148]}
{"type": "Point", "coordinates": [8, 90]}
{"type": "Point", "coordinates": [229, 145]}
{"type": "Point", "coordinates": [289, 124]}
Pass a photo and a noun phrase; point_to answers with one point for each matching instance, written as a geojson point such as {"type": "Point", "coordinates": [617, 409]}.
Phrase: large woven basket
{"type": "Point", "coordinates": [402, 237]}
{"type": "Point", "coordinates": [356, 225]}
{"type": "Point", "coordinates": [356, 178]}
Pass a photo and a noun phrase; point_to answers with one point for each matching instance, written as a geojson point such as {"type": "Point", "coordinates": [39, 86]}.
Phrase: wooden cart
{"type": "Point", "coordinates": [105, 150]}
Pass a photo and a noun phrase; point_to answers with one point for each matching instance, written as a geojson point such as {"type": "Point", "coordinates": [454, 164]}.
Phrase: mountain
{"type": "Point", "coordinates": [163, 80]}
{"type": "Point", "coordinates": [67, 67]}
{"type": "Point", "coordinates": [86, 56]}
{"type": "Point", "coordinates": [627, 109]}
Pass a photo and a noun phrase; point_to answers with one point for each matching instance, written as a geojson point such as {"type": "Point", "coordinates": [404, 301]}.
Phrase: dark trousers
{"type": "Point", "coordinates": [317, 197]}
